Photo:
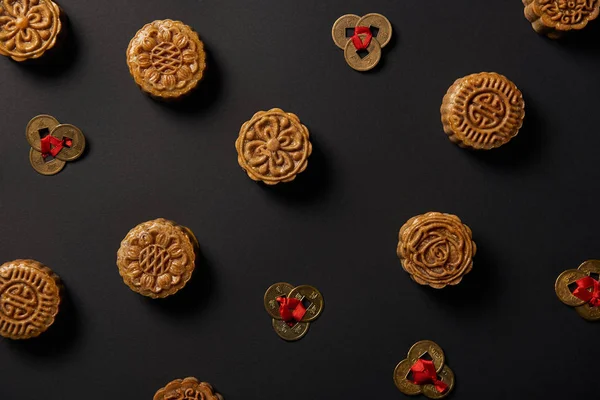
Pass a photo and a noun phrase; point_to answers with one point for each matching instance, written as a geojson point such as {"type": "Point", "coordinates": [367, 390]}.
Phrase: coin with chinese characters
{"type": "Point", "coordinates": [281, 289]}
{"type": "Point", "coordinates": [401, 373]}
{"type": "Point", "coordinates": [360, 61]}
{"type": "Point", "coordinates": [561, 287]}
{"type": "Point", "coordinates": [76, 140]}
{"type": "Point", "coordinates": [588, 312]}
{"type": "Point", "coordinates": [383, 34]}
{"type": "Point", "coordinates": [338, 32]}
{"type": "Point", "coordinates": [51, 167]}
{"type": "Point", "coordinates": [290, 333]}
{"type": "Point", "coordinates": [419, 349]}
{"type": "Point", "coordinates": [38, 126]}
{"type": "Point", "coordinates": [445, 375]}
{"type": "Point", "coordinates": [590, 267]}
{"type": "Point", "coordinates": [312, 300]}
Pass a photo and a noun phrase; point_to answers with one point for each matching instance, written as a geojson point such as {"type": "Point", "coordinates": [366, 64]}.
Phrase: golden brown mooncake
{"type": "Point", "coordinates": [187, 389]}
{"type": "Point", "coordinates": [157, 258]}
{"type": "Point", "coordinates": [29, 298]}
{"type": "Point", "coordinates": [166, 59]}
{"type": "Point", "coordinates": [554, 18]}
{"type": "Point", "coordinates": [28, 28]}
{"type": "Point", "coordinates": [273, 146]}
{"type": "Point", "coordinates": [482, 111]}
{"type": "Point", "coordinates": [436, 249]}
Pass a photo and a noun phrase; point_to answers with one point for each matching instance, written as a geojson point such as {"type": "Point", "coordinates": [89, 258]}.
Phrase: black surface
{"type": "Point", "coordinates": [380, 157]}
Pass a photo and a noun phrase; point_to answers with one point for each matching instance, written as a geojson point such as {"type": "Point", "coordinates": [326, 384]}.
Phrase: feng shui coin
{"type": "Point", "coordinates": [156, 258]}
{"type": "Point", "coordinates": [38, 126]}
{"type": "Point", "coordinates": [562, 289]}
{"type": "Point", "coordinates": [77, 140]}
{"type": "Point", "coordinates": [166, 59]}
{"type": "Point", "coordinates": [419, 349]}
{"type": "Point", "coordinates": [482, 111]}
{"type": "Point", "coordinates": [554, 18]}
{"type": "Point", "coordinates": [29, 298]}
{"type": "Point", "coordinates": [281, 289]}
{"type": "Point", "coordinates": [401, 373]}
{"type": "Point", "coordinates": [51, 167]}
{"type": "Point", "coordinates": [436, 249]}
{"type": "Point", "coordinates": [381, 23]}
{"type": "Point", "coordinates": [362, 60]}
{"type": "Point", "coordinates": [273, 147]}
{"type": "Point", "coordinates": [187, 389]}
{"type": "Point", "coordinates": [28, 28]}
{"type": "Point", "coordinates": [310, 295]}
{"type": "Point", "coordinates": [288, 333]}
{"type": "Point", "coordinates": [588, 312]}
{"type": "Point", "coordinates": [338, 32]}
{"type": "Point", "coordinates": [590, 267]}
{"type": "Point", "coordinates": [445, 375]}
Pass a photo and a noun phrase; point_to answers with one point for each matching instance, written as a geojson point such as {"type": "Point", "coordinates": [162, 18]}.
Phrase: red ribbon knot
{"type": "Point", "coordinates": [291, 310]}
{"type": "Point", "coordinates": [52, 146]}
{"type": "Point", "coordinates": [362, 44]}
{"type": "Point", "coordinates": [588, 290]}
{"type": "Point", "coordinates": [423, 372]}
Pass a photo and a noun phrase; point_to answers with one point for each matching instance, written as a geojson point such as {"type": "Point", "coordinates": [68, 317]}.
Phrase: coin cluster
{"type": "Point", "coordinates": [362, 39]}
{"type": "Point", "coordinates": [292, 309]}
{"type": "Point", "coordinates": [424, 372]}
{"type": "Point", "coordinates": [580, 288]}
{"type": "Point", "coordinates": [53, 144]}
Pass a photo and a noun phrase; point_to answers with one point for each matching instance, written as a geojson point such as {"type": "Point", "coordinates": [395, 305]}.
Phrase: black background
{"type": "Point", "coordinates": [380, 157]}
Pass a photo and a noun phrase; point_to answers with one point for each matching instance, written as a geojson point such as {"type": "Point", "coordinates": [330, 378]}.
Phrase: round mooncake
{"type": "Point", "coordinates": [157, 258]}
{"type": "Point", "coordinates": [436, 249]}
{"type": "Point", "coordinates": [166, 59]}
{"type": "Point", "coordinates": [29, 298]}
{"type": "Point", "coordinates": [273, 146]}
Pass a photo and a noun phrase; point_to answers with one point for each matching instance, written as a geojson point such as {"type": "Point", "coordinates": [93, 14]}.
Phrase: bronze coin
{"type": "Point", "coordinates": [312, 295]}
{"type": "Point", "coordinates": [281, 289]}
{"type": "Point", "coordinates": [588, 312]}
{"type": "Point", "coordinates": [28, 28]}
{"type": "Point", "coordinates": [338, 32]}
{"type": "Point", "coordinates": [157, 258]}
{"type": "Point", "coordinates": [401, 379]}
{"type": "Point", "coordinates": [482, 111]}
{"type": "Point", "coordinates": [561, 287]}
{"type": "Point", "coordinates": [374, 20]}
{"type": "Point", "coordinates": [366, 62]}
{"type": "Point", "coordinates": [445, 375]}
{"type": "Point", "coordinates": [188, 388]}
{"type": "Point", "coordinates": [436, 249]}
{"type": "Point", "coordinates": [44, 167]}
{"type": "Point", "coordinates": [290, 333]}
{"type": "Point", "coordinates": [29, 298]}
{"type": "Point", "coordinates": [38, 125]}
{"type": "Point", "coordinates": [68, 131]}
{"type": "Point", "coordinates": [423, 347]}
{"type": "Point", "coordinates": [166, 59]}
{"type": "Point", "coordinates": [590, 267]}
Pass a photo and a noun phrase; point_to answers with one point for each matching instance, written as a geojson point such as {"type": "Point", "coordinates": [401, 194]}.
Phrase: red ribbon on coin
{"type": "Point", "coordinates": [291, 310]}
{"type": "Point", "coordinates": [52, 146]}
{"type": "Point", "coordinates": [584, 293]}
{"type": "Point", "coordinates": [362, 44]}
{"type": "Point", "coordinates": [423, 372]}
